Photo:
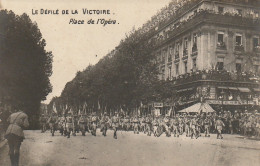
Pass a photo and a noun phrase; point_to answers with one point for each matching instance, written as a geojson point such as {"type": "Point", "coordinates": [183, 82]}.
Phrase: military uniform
{"type": "Point", "coordinates": [82, 122]}
{"type": "Point", "coordinates": [155, 127]}
{"type": "Point", "coordinates": [115, 124]}
{"type": "Point", "coordinates": [14, 134]}
{"type": "Point", "coordinates": [69, 125]}
{"type": "Point", "coordinates": [206, 126]}
{"type": "Point", "coordinates": [193, 126]}
{"type": "Point", "coordinates": [53, 123]}
{"type": "Point", "coordinates": [166, 124]}
{"type": "Point", "coordinates": [136, 125]}
{"type": "Point", "coordinates": [43, 121]}
{"type": "Point", "coordinates": [148, 123]}
{"type": "Point", "coordinates": [94, 121]}
{"type": "Point", "coordinates": [104, 124]}
{"type": "Point", "coordinates": [187, 126]}
{"type": "Point", "coordinates": [219, 126]}
{"type": "Point", "coordinates": [174, 125]}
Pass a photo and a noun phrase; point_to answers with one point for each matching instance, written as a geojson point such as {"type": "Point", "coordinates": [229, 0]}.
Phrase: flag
{"type": "Point", "coordinates": [98, 105]}
{"type": "Point", "coordinates": [54, 107]}
{"type": "Point", "coordinates": [169, 112]}
{"type": "Point", "coordinates": [85, 107]}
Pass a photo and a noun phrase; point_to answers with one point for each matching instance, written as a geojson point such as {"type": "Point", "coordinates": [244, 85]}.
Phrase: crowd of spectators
{"type": "Point", "coordinates": [216, 75]}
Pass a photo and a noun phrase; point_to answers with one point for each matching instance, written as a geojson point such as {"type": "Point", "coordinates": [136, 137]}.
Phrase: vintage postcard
{"type": "Point", "coordinates": [129, 82]}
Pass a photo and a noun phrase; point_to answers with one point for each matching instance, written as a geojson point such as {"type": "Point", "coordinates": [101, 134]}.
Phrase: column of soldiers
{"type": "Point", "coordinates": [192, 125]}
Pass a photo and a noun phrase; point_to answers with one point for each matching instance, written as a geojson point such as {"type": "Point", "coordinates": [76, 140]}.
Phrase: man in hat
{"type": "Point", "coordinates": [43, 121]}
{"type": "Point", "coordinates": [14, 134]}
{"type": "Point", "coordinates": [174, 125]}
{"type": "Point", "coordinates": [94, 121]}
{"type": "Point", "coordinates": [136, 124]}
{"type": "Point", "coordinates": [52, 123]}
{"type": "Point", "coordinates": [219, 124]}
{"type": "Point", "coordinates": [148, 122]}
{"type": "Point", "coordinates": [104, 124]}
{"type": "Point", "coordinates": [69, 124]}
{"type": "Point", "coordinates": [115, 124]}
{"type": "Point", "coordinates": [206, 124]}
{"type": "Point", "coordinates": [82, 122]}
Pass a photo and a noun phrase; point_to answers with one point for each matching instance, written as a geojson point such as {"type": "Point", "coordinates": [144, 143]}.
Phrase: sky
{"type": "Point", "coordinates": [75, 46]}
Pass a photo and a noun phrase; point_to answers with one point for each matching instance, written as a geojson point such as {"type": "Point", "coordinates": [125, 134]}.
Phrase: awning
{"type": "Point", "coordinates": [232, 88]}
{"type": "Point", "coordinates": [245, 90]}
{"type": "Point", "coordinates": [227, 87]}
{"type": "Point", "coordinates": [257, 89]}
{"type": "Point", "coordinates": [184, 90]}
{"type": "Point", "coordinates": [222, 87]}
{"type": "Point", "coordinates": [199, 107]}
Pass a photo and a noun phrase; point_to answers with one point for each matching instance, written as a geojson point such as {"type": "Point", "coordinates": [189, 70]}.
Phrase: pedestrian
{"type": "Point", "coordinates": [15, 135]}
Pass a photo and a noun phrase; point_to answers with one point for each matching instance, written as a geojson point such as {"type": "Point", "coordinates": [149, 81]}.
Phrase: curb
{"type": "Point", "coordinates": [2, 143]}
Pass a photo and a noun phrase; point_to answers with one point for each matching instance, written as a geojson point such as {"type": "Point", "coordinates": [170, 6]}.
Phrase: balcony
{"type": "Point", "coordinates": [221, 46]}
{"type": "Point", "coordinates": [177, 57]}
{"type": "Point", "coordinates": [185, 54]}
{"type": "Point", "coordinates": [256, 49]}
{"type": "Point", "coordinates": [194, 50]}
{"type": "Point", "coordinates": [239, 48]}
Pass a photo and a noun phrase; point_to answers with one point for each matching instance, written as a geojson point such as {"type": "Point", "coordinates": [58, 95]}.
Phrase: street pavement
{"type": "Point", "coordinates": [41, 149]}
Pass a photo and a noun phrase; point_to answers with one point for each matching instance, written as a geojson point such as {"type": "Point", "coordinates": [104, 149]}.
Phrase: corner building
{"type": "Point", "coordinates": [210, 51]}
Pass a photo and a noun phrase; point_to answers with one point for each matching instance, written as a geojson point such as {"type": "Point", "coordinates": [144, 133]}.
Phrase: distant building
{"type": "Point", "coordinates": [210, 50]}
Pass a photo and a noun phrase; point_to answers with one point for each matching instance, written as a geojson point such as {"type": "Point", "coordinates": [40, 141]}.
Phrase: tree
{"type": "Point", "coordinates": [25, 65]}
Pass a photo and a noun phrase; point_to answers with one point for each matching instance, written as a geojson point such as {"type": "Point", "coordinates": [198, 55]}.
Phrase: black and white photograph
{"type": "Point", "coordinates": [129, 82]}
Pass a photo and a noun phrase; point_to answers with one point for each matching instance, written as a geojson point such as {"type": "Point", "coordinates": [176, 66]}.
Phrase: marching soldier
{"type": "Point", "coordinates": [219, 126]}
{"type": "Point", "coordinates": [104, 124]}
{"type": "Point", "coordinates": [60, 125]}
{"type": "Point", "coordinates": [155, 127]}
{"type": "Point", "coordinates": [206, 126]}
{"type": "Point", "coordinates": [136, 124]}
{"type": "Point", "coordinates": [148, 121]}
{"type": "Point", "coordinates": [115, 124]}
{"type": "Point", "coordinates": [69, 124]}
{"type": "Point", "coordinates": [82, 124]}
{"type": "Point", "coordinates": [187, 126]}
{"type": "Point", "coordinates": [174, 125]}
{"type": "Point", "coordinates": [14, 134]}
{"type": "Point", "coordinates": [52, 123]}
{"type": "Point", "coordinates": [94, 121]}
{"type": "Point", "coordinates": [166, 124]}
{"type": "Point", "coordinates": [193, 126]}
{"type": "Point", "coordinates": [43, 121]}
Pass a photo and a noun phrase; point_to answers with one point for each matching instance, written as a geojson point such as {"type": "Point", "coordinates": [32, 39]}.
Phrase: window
{"type": "Point", "coordinates": [171, 50]}
{"type": "Point", "coordinates": [238, 67]}
{"type": "Point", "coordinates": [170, 72]}
{"type": "Point", "coordinates": [220, 38]}
{"type": "Point", "coordinates": [194, 61]}
{"type": "Point", "coordinates": [220, 10]}
{"type": "Point", "coordinates": [177, 69]}
{"type": "Point", "coordinates": [163, 74]}
{"type": "Point", "coordinates": [220, 64]}
{"type": "Point", "coordinates": [195, 38]}
{"type": "Point", "coordinates": [185, 67]}
{"type": "Point", "coordinates": [255, 42]}
{"type": "Point", "coordinates": [238, 40]}
{"type": "Point", "coordinates": [185, 43]}
{"type": "Point", "coordinates": [239, 12]}
{"type": "Point", "coordinates": [178, 47]}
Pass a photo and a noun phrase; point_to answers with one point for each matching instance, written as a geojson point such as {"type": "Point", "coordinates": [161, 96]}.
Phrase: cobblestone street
{"type": "Point", "coordinates": [130, 149]}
